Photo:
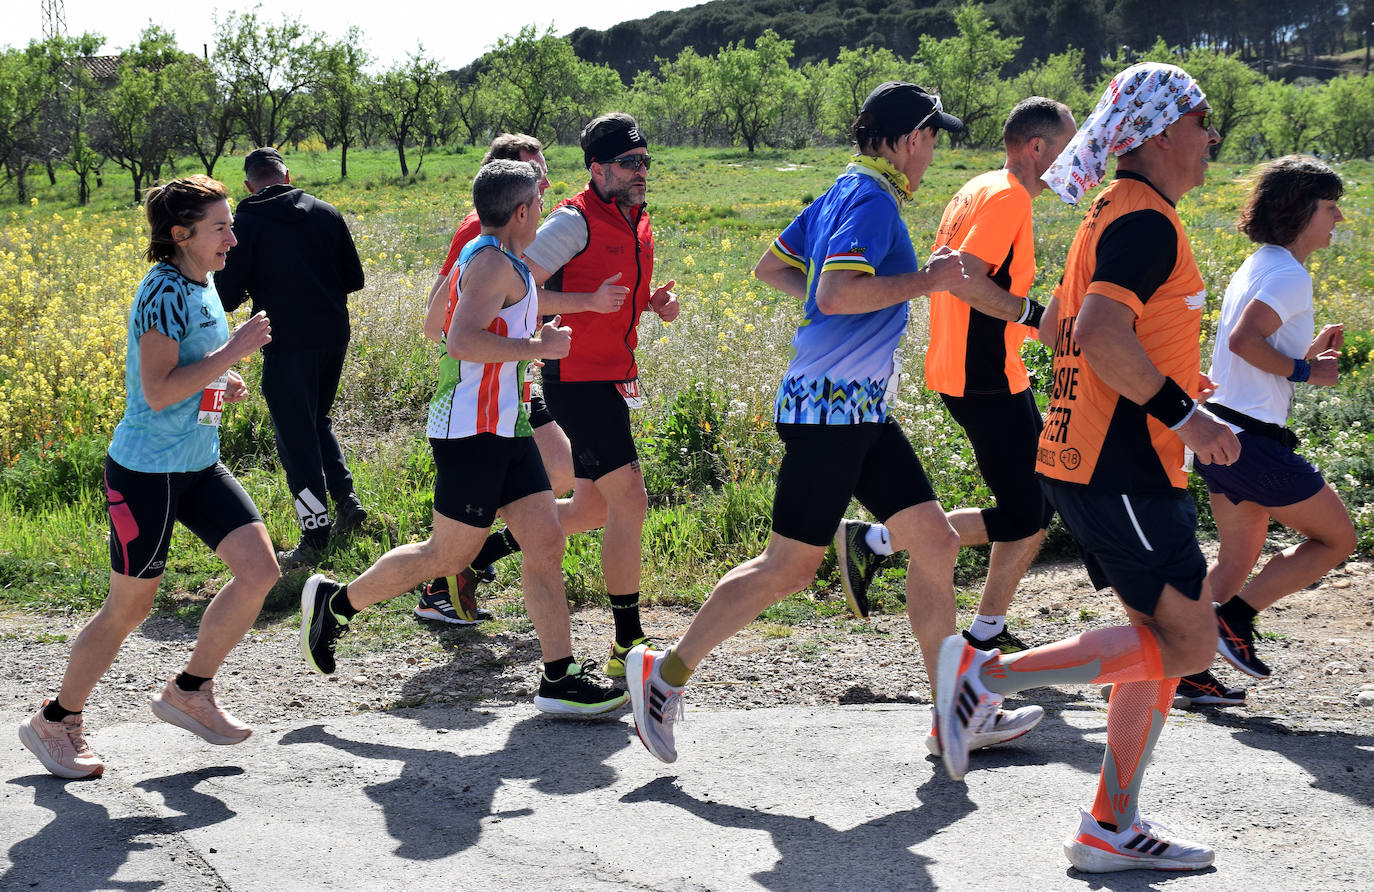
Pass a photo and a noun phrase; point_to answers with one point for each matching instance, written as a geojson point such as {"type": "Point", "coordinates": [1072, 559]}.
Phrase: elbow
{"type": "Point", "coordinates": [155, 402]}
{"type": "Point", "coordinates": [827, 302]}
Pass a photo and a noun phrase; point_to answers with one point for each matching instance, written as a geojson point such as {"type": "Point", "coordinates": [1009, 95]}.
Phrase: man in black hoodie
{"type": "Point", "coordinates": [296, 259]}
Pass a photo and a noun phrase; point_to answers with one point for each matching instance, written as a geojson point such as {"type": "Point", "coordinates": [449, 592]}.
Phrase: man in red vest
{"type": "Point", "coordinates": [585, 243]}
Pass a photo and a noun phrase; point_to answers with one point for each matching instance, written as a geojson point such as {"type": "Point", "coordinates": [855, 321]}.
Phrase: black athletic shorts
{"type": "Point", "coordinates": [825, 465]}
{"type": "Point", "coordinates": [597, 421]}
{"type": "Point", "coordinates": [539, 413]}
{"type": "Point", "coordinates": [474, 477]}
{"type": "Point", "coordinates": [1135, 543]}
{"type": "Point", "coordinates": [143, 508]}
{"type": "Point", "coordinates": [1005, 433]}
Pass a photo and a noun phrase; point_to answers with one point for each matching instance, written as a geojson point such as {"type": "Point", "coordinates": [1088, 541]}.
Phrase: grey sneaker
{"type": "Point", "coordinates": [657, 705]}
{"type": "Point", "coordinates": [964, 705]}
{"type": "Point", "coordinates": [305, 554]}
{"type": "Point", "coordinates": [857, 563]}
{"type": "Point", "coordinates": [1144, 845]}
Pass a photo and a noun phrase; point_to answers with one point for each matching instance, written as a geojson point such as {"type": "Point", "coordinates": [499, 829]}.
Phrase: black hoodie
{"type": "Point", "coordinates": [296, 260]}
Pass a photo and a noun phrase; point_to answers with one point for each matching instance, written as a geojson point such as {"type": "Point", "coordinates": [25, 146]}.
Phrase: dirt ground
{"type": "Point", "coordinates": [1317, 641]}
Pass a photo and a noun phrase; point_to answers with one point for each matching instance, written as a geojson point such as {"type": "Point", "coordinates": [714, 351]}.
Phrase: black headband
{"type": "Point", "coordinates": [612, 143]}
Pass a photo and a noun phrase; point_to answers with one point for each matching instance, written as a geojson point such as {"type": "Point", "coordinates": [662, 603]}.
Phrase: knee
{"type": "Point", "coordinates": [1190, 652]}
{"type": "Point", "coordinates": [544, 545]}
{"type": "Point", "coordinates": [631, 500]}
{"type": "Point", "coordinates": [1343, 544]}
{"type": "Point", "coordinates": [261, 574]}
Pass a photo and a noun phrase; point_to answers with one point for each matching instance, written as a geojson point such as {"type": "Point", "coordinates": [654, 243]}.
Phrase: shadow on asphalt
{"type": "Point", "coordinates": [814, 855]}
{"type": "Point", "coordinates": [1339, 762]}
{"type": "Point", "coordinates": [82, 847]}
{"type": "Point", "coordinates": [437, 805]}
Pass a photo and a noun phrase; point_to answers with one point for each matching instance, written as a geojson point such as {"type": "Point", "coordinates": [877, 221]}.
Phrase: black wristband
{"type": "Point", "coordinates": [1171, 405]}
{"type": "Point", "coordinates": [1035, 311]}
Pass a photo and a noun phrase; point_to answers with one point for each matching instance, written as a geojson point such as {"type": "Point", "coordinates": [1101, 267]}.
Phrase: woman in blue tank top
{"type": "Point", "coordinates": [163, 466]}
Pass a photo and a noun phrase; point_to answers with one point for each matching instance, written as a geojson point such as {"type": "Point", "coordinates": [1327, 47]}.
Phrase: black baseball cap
{"type": "Point", "coordinates": [264, 157]}
{"type": "Point", "coordinates": [898, 107]}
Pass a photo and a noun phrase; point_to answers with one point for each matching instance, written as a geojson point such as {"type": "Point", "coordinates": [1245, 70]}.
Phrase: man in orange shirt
{"type": "Point", "coordinates": [1127, 316]}
{"type": "Point", "coordinates": [974, 363]}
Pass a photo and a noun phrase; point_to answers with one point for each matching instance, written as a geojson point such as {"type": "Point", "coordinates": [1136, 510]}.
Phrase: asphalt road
{"type": "Point", "coordinates": [787, 799]}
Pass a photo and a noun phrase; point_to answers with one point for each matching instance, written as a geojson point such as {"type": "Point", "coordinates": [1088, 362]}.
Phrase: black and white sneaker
{"type": "Point", "coordinates": [857, 564]}
{"type": "Point", "coordinates": [320, 625]}
{"type": "Point", "coordinates": [1004, 641]}
{"type": "Point", "coordinates": [1236, 643]}
{"type": "Point", "coordinates": [577, 693]}
{"type": "Point", "coordinates": [1203, 689]}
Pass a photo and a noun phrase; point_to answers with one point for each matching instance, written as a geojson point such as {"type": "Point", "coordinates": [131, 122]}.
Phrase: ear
{"type": "Point", "coordinates": [181, 233]}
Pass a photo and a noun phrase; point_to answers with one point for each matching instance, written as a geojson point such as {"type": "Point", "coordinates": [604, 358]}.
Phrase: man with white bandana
{"type": "Point", "coordinates": [1111, 457]}
{"type": "Point", "coordinates": [849, 259]}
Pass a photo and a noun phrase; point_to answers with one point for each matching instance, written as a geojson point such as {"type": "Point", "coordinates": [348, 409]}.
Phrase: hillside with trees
{"type": "Point", "coordinates": [1291, 35]}
{"type": "Point", "coordinates": [278, 82]}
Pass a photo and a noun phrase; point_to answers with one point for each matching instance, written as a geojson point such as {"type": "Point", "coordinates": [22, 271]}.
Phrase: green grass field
{"type": "Point", "coordinates": [707, 440]}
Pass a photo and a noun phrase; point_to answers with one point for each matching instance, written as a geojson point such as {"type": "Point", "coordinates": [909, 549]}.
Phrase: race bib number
{"type": "Point", "coordinates": [890, 395]}
{"type": "Point", "coordinates": [212, 401]}
{"type": "Point", "coordinates": [634, 397]}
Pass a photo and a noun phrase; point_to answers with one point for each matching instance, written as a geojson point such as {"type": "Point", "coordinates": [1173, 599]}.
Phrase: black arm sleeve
{"type": "Point", "coordinates": [1138, 251]}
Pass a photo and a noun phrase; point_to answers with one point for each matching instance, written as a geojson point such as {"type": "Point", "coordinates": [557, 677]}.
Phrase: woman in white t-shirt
{"type": "Point", "coordinates": [1264, 348]}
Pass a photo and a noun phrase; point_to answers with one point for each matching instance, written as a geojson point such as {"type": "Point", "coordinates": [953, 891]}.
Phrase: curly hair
{"type": "Point", "coordinates": [1284, 198]}
{"type": "Point", "coordinates": [180, 202]}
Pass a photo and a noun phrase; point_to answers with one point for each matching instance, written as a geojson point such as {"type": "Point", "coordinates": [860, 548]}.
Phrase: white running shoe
{"type": "Point", "coordinates": [657, 705]}
{"type": "Point", "coordinates": [1000, 727]}
{"type": "Point", "coordinates": [964, 705]}
{"type": "Point", "coordinates": [1144, 845]}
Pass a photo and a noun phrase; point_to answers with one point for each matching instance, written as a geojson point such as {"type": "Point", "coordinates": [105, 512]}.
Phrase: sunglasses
{"type": "Point", "coordinates": [1204, 116]}
{"type": "Point", "coordinates": [933, 112]}
{"type": "Point", "coordinates": [631, 162]}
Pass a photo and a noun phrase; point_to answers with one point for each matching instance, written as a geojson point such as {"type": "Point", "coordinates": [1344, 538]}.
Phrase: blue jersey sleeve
{"type": "Point", "coordinates": [790, 247]}
{"type": "Point", "coordinates": [863, 235]}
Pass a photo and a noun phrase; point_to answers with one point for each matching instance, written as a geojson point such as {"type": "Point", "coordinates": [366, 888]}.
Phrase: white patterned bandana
{"type": "Point", "coordinates": [1138, 104]}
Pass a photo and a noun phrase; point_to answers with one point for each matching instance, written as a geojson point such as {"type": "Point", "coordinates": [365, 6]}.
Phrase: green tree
{"type": "Point", "coordinates": [340, 93]}
{"type": "Point", "coordinates": [751, 86]}
{"type": "Point", "coordinates": [1060, 77]}
{"type": "Point", "coordinates": [966, 71]}
{"type": "Point", "coordinates": [536, 83]}
{"type": "Point", "coordinates": [21, 117]}
{"type": "Point", "coordinates": [1288, 122]}
{"type": "Point", "coordinates": [1347, 115]}
{"type": "Point", "coordinates": [853, 76]}
{"type": "Point", "coordinates": [403, 102]}
{"type": "Point", "coordinates": [675, 104]}
{"type": "Point", "coordinates": [269, 67]}
{"type": "Point", "coordinates": [201, 108]}
{"type": "Point", "coordinates": [1233, 91]}
{"type": "Point", "coordinates": [134, 128]}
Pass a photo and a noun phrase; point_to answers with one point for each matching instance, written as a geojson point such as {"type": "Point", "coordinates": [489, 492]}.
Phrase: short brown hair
{"type": "Point", "coordinates": [1032, 117]}
{"type": "Point", "coordinates": [1285, 197]}
{"type": "Point", "coordinates": [509, 147]}
{"type": "Point", "coordinates": [180, 202]}
{"type": "Point", "coordinates": [502, 186]}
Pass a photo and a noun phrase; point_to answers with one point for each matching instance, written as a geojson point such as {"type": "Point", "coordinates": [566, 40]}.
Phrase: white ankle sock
{"type": "Point", "coordinates": [985, 628]}
{"type": "Point", "coordinates": [878, 539]}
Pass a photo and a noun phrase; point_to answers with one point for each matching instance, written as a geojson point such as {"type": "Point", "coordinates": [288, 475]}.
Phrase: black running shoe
{"type": "Point", "coordinates": [1203, 689]}
{"type": "Point", "coordinates": [1237, 644]}
{"type": "Point", "coordinates": [349, 514]}
{"type": "Point", "coordinates": [320, 625]}
{"type": "Point", "coordinates": [578, 693]}
{"type": "Point", "coordinates": [1004, 641]}
{"type": "Point", "coordinates": [857, 563]}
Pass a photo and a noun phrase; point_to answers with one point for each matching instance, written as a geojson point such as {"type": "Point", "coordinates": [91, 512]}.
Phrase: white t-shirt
{"type": "Point", "coordinates": [1272, 276]}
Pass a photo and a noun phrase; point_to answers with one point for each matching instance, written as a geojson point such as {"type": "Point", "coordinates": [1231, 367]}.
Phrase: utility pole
{"type": "Point", "coordinates": [54, 19]}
